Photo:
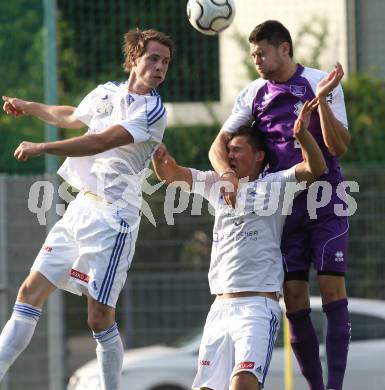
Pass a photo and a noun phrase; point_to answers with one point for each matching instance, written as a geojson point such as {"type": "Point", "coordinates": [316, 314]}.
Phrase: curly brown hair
{"type": "Point", "coordinates": [135, 44]}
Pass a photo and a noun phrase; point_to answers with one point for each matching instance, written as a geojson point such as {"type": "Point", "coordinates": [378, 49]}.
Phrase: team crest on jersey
{"type": "Point", "coordinates": [104, 106]}
{"type": "Point", "coordinates": [298, 90]}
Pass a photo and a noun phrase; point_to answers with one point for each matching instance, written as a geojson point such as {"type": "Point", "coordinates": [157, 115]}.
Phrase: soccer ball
{"type": "Point", "coordinates": [210, 17]}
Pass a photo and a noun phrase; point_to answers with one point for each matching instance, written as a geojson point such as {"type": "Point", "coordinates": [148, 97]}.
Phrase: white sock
{"type": "Point", "coordinates": [17, 334]}
{"type": "Point", "coordinates": [109, 351]}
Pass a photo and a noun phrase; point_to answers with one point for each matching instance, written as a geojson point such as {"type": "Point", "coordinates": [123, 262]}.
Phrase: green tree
{"type": "Point", "coordinates": [21, 43]}
{"type": "Point", "coordinates": [365, 102]}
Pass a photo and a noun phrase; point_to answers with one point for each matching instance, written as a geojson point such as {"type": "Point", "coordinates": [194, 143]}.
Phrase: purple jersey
{"type": "Point", "coordinates": [275, 107]}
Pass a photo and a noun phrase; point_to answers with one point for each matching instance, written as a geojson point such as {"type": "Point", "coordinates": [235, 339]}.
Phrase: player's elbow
{"type": "Point", "coordinates": [211, 153]}
{"type": "Point", "coordinates": [340, 148]}
{"type": "Point", "coordinates": [76, 124]}
{"type": "Point", "coordinates": [219, 143]}
{"type": "Point", "coordinates": [338, 151]}
{"type": "Point", "coordinates": [320, 169]}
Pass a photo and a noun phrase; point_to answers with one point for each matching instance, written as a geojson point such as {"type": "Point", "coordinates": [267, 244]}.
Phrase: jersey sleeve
{"type": "Point", "coordinates": [284, 187]}
{"type": "Point", "coordinates": [146, 120]}
{"type": "Point", "coordinates": [86, 109]}
{"type": "Point", "coordinates": [284, 176]}
{"type": "Point", "coordinates": [203, 183]}
{"type": "Point", "coordinates": [337, 105]}
{"type": "Point", "coordinates": [241, 114]}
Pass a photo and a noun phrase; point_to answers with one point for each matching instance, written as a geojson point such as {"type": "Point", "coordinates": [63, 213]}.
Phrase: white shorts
{"type": "Point", "coordinates": [239, 335]}
{"type": "Point", "coordinates": [90, 250]}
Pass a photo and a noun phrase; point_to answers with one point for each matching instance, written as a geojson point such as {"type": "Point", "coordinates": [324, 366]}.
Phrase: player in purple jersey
{"type": "Point", "coordinates": [274, 102]}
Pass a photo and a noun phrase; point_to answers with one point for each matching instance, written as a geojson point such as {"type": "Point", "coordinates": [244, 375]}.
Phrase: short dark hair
{"type": "Point", "coordinates": [254, 137]}
{"type": "Point", "coordinates": [273, 32]}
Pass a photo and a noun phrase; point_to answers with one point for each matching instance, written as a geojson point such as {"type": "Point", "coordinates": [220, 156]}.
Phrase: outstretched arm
{"type": "Point", "coordinates": [168, 170]}
{"type": "Point", "coordinates": [219, 159]}
{"type": "Point", "coordinates": [313, 164]}
{"type": "Point", "coordinates": [85, 145]}
{"type": "Point", "coordinates": [60, 116]}
{"type": "Point", "coordinates": [336, 136]}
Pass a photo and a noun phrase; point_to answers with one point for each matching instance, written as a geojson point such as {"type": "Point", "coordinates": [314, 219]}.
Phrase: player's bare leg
{"type": "Point", "coordinates": [109, 350]}
{"type": "Point", "coordinates": [296, 294]}
{"type": "Point", "coordinates": [19, 329]}
{"type": "Point", "coordinates": [245, 381]}
{"type": "Point", "coordinates": [335, 306]}
{"type": "Point", "coordinates": [303, 338]}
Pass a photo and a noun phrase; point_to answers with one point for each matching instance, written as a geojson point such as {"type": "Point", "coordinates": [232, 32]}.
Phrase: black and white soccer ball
{"type": "Point", "coordinates": [210, 17]}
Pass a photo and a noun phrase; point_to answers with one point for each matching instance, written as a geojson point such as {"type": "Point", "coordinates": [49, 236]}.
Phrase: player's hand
{"type": "Point", "coordinates": [14, 106]}
{"type": "Point", "coordinates": [27, 149]}
{"type": "Point", "coordinates": [162, 156]}
{"type": "Point", "coordinates": [326, 85]}
{"type": "Point", "coordinates": [303, 120]}
{"type": "Point", "coordinates": [230, 188]}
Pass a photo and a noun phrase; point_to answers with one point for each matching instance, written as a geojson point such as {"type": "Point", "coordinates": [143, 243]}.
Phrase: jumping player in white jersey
{"type": "Point", "coordinates": [246, 272]}
{"type": "Point", "coordinates": [273, 102]}
{"type": "Point", "coordinates": [90, 249]}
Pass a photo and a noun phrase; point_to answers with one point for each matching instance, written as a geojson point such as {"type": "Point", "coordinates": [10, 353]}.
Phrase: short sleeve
{"type": "Point", "coordinates": [146, 121]}
{"type": "Point", "coordinates": [337, 105]}
{"type": "Point", "coordinates": [203, 183]}
{"type": "Point", "coordinates": [285, 187]}
{"type": "Point", "coordinates": [284, 176]}
{"type": "Point", "coordinates": [242, 114]}
{"type": "Point", "coordinates": [85, 110]}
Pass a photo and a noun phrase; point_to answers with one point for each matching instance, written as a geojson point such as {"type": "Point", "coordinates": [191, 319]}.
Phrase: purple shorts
{"type": "Point", "coordinates": [322, 241]}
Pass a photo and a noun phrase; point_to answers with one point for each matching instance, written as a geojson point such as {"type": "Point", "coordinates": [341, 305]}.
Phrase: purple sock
{"type": "Point", "coordinates": [337, 341]}
{"type": "Point", "coordinates": [305, 345]}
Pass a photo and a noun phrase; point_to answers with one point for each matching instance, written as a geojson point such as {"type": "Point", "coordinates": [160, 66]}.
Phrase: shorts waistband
{"type": "Point", "coordinates": [239, 301]}
{"type": "Point", "coordinates": [93, 196]}
{"type": "Point", "coordinates": [268, 294]}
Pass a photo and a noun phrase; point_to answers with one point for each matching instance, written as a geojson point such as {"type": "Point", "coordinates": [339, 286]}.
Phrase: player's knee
{"type": "Point", "coordinates": [244, 380]}
{"type": "Point", "coordinates": [330, 295]}
{"type": "Point", "coordinates": [31, 293]}
{"type": "Point", "coordinates": [100, 319]}
{"type": "Point", "coordinates": [296, 297]}
{"type": "Point", "coordinates": [332, 290]}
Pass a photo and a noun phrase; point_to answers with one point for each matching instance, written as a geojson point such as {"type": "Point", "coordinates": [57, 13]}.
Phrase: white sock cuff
{"type": "Point", "coordinates": [107, 335]}
{"type": "Point", "coordinates": [26, 311]}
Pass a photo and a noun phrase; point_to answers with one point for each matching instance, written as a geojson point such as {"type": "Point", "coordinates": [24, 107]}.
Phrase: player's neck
{"type": "Point", "coordinates": [287, 72]}
{"type": "Point", "coordinates": [134, 85]}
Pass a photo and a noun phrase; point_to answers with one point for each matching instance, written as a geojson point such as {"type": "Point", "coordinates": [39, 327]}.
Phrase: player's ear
{"type": "Point", "coordinates": [259, 156]}
{"type": "Point", "coordinates": [133, 61]}
{"type": "Point", "coordinates": [285, 47]}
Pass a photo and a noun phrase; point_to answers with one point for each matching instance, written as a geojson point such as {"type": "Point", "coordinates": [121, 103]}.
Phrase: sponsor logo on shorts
{"type": "Point", "coordinates": [339, 256]}
{"type": "Point", "coordinates": [80, 275]}
{"type": "Point", "coordinates": [47, 248]}
{"type": "Point", "coordinates": [245, 365]}
{"type": "Point", "coordinates": [259, 369]}
{"type": "Point", "coordinates": [204, 362]}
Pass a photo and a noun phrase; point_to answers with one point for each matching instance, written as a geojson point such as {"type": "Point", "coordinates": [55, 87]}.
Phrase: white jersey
{"type": "Point", "coordinates": [246, 253]}
{"type": "Point", "coordinates": [117, 174]}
